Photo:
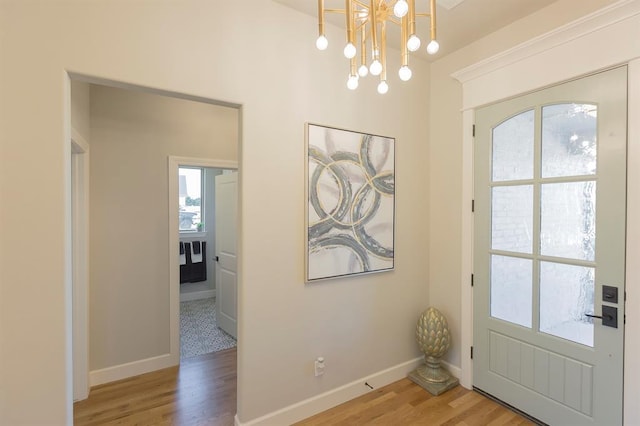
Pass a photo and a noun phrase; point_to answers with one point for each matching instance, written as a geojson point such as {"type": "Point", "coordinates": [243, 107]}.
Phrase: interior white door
{"type": "Point", "coordinates": [547, 256]}
{"type": "Point", "coordinates": [226, 252]}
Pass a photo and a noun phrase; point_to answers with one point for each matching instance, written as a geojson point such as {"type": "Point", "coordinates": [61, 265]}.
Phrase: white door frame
{"type": "Point", "coordinates": [174, 238]}
{"type": "Point", "coordinates": [592, 45]}
{"type": "Point", "coordinates": [80, 263]}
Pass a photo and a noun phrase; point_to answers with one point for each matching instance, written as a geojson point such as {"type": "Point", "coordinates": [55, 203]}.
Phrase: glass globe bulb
{"type": "Point", "coordinates": [413, 43]}
{"type": "Point", "coordinates": [375, 68]}
{"type": "Point", "coordinates": [349, 51]}
{"type": "Point", "coordinates": [401, 8]}
{"type": "Point", "coordinates": [352, 82]}
{"type": "Point", "coordinates": [433, 47]}
{"type": "Point", "coordinates": [405, 73]}
{"type": "Point", "coordinates": [322, 42]}
{"type": "Point", "coordinates": [383, 87]}
{"type": "Point", "coordinates": [363, 70]}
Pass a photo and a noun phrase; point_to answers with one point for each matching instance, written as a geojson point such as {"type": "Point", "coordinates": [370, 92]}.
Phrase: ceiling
{"type": "Point", "coordinates": [459, 22]}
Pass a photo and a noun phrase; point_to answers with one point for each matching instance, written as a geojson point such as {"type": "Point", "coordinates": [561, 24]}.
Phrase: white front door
{"type": "Point", "coordinates": [226, 252]}
{"type": "Point", "coordinates": [549, 250]}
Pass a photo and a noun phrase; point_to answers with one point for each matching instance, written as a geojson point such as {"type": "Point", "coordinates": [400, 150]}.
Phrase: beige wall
{"type": "Point", "coordinates": [255, 53]}
{"type": "Point", "coordinates": [445, 167]}
{"type": "Point", "coordinates": [132, 135]}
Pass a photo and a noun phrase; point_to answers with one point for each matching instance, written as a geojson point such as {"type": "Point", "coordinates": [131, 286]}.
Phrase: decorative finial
{"type": "Point", "coordinates": [432, 335]}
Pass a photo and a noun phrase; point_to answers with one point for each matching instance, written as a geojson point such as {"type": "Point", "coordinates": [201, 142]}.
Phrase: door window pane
{"type": "Point", "coordinates": [511, 279]}
{"type": "Point", "coordinates": [190, 199]}
{"type": "Point", "coordinates": [512, 218]}
{"type": "Point", "coordinates": [569, 140]}
{"type": "Point", "coordinates": [568, 220]}
{"type": "Point", "coordinates": [512, 148]}
{"type": "Point", "coordinates": [566, 294]}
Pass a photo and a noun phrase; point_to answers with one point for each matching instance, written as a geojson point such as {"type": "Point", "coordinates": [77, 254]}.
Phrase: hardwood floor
{"type": "Point", "coordinates": [202, 391]}
{"type": "Point", "coordinates": [405, 403]}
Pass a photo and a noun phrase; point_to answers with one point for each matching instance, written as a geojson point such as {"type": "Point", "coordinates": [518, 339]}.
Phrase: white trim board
{"type": "Point", "coordinates": [599, 41]}
{"type": "Point", "coordinates": [590, 43]}
{"type": "Point", "coordinates": [632, 308]}
{"type": "Point", "coordinates": [80, 263]}
{"type": "Point", "coordinates": [197, 295]}
{"type": "Point", "coordinates": [80, 144]}
{"type": "Point", "coordinates": [581, 27]}
{"type": "Point", "coordinates": [319, 403]}
{"type": "Point", "coordinates": [130, 369]}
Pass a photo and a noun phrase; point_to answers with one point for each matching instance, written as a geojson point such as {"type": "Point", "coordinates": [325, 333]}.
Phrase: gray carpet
{"type": "Point", "coordinates": [199, 333]}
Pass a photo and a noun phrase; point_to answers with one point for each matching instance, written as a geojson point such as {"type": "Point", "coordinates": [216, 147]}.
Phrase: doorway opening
{"type": "Point", "coordinates": [203, 329]}
{"type": "Point", "coordinates": [132, 288]}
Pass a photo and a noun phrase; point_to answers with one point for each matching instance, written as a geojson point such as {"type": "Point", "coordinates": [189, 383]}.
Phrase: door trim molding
{"type": "Point", "coordinates": [509, 74]}
{"type": "Point", "coordinates": [593, 22]}
{"type": "Point", "coordinates": [632, 307]}
{"type": "Point", "coordinates": [174, 162]}
{"type": "Point", "coordinates": [80, 264]}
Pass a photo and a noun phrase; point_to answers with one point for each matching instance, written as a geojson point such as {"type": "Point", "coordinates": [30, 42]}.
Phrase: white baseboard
{"type": "Point", "coordinates": [453, 370]}
{"type": "Point", "coordinates": [130, 369]}
{"type": "Point", "coordinates": [324, 401]}
{"type": "Point", "coordinates": [197, 295]}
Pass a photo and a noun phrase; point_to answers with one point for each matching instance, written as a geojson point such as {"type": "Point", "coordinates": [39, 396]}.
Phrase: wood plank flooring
{"type": "Point", "coordinates": [202, 391]}
{"type": "Point", "coordinates": [405, 403]}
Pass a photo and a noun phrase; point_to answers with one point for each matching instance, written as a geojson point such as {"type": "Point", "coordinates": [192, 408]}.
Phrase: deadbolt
{"type": "Point", "coordinates": [609, 294]}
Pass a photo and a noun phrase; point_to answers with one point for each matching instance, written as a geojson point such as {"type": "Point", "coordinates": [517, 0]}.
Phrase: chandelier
{"type": "Point", "coordinates": [367, 23]}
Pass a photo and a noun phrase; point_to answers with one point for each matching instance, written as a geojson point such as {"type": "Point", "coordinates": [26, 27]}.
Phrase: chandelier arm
{"type": "Point", "coordinates": [362, 4]}
{"type": "Point", "coordinates": [363, 44]}
{"type": "Point", "coordinates": [433, 19]}
{"type": "Point", "coordinates": [360, 25]}
{"type": "Point", "coordinates": [412, 17]}
{"type": "Point", "coordinates": [349, 17]}
{"type": "Point", "coordinates": [320, 17]}
{"type": "Point", "coordinates": [335, 11]}
{"type": "Point", "coordinates": [383, 51]}
{"type": "Point", "coordinates": [374, 30]}
{"type": "Point", "coordinates": [395, 20]}
{"type": "Point", "coordinates": [404, 52]}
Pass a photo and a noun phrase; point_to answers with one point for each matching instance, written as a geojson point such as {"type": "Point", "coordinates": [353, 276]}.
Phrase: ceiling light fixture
{"type": "Point", "coordinates": [367, 22]}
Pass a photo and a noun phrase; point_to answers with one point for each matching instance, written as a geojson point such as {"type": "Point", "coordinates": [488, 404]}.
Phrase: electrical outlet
{"type": "Point", "coordinates": [319, 366]}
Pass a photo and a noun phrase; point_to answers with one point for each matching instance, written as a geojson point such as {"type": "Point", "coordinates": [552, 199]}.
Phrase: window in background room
{"type": "Point", "coordinates": [190, 196]}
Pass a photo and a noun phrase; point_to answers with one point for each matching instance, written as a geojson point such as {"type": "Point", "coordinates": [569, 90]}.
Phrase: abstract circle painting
{"type": "Point", "coordinates": [350, 203]}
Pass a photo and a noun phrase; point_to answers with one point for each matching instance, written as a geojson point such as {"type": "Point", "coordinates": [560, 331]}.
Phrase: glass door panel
{"type": "Point", "coordinates": [512, 218]}
{"type": "Point", "coordinates": [511, 289]}
{"type": "Point", "coordinates": [566, 295]}
{"type": "Point", "coordinates": [569, 140]}
{"type": "Point", "coordinates": [513, 148]}
{"type": "Point", "coordinates": [568, 220]}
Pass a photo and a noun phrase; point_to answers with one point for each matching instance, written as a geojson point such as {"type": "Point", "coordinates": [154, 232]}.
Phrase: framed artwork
{"type": "Point", "coordinates": [350, 208]}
